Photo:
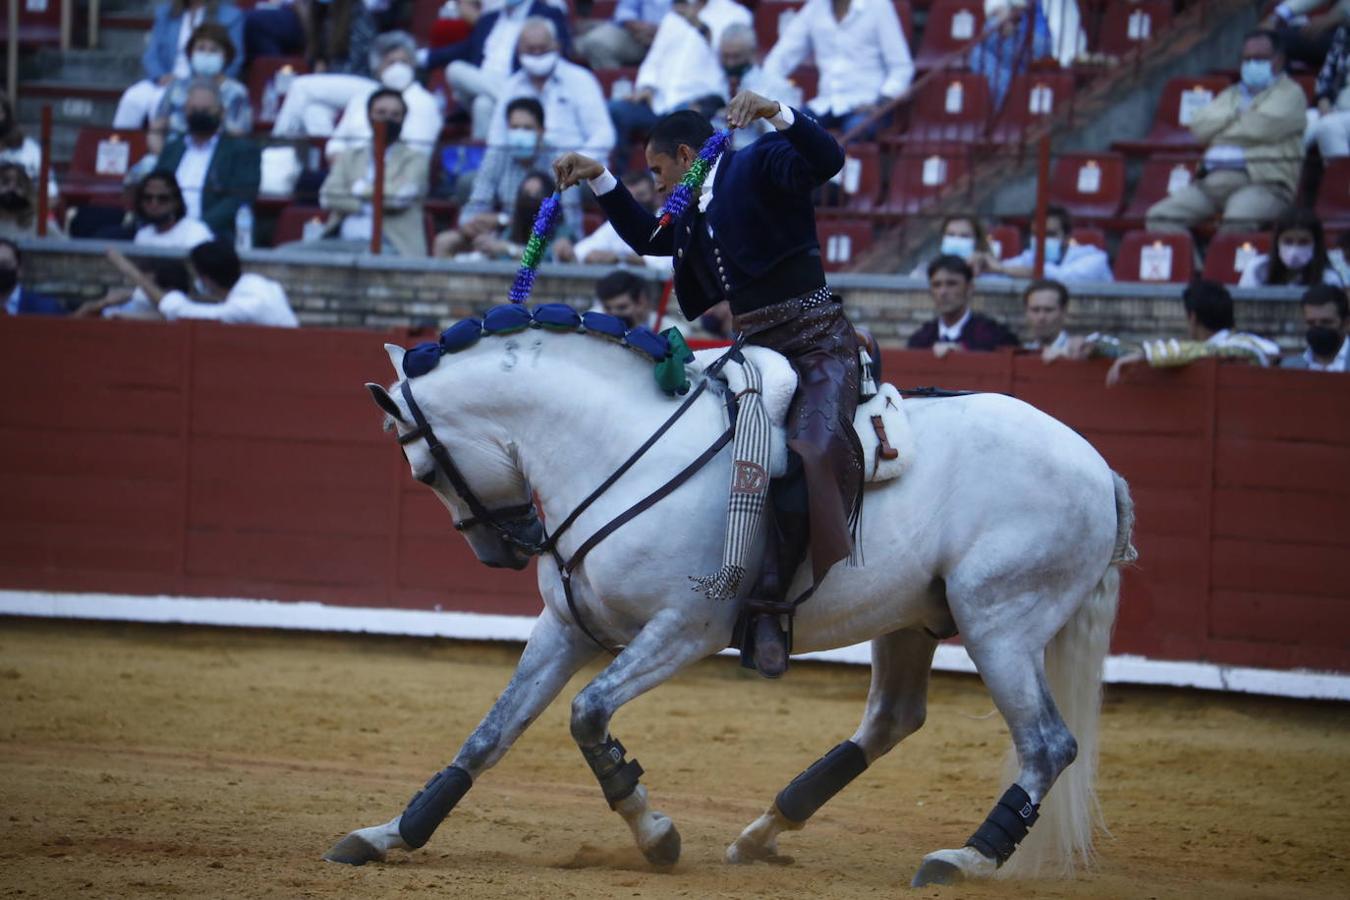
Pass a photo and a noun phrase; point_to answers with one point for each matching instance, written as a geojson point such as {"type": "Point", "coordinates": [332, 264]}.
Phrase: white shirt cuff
{"type": "Point", "coordinates": [784, 119]}
{"type": "Point", "coordinates": [603, 183]}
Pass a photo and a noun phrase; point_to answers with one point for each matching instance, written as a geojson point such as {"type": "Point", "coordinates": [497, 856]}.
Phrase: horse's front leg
{"type": "Point", "coordinates": [667, 643]}
{"type": "Point", "coordinates": [553, 654]}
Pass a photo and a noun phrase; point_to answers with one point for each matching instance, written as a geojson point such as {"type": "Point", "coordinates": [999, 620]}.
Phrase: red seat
{"type": "Point", "coordinates": [860, 178]}
{"type": "Point", "coordinates": [1230, 252]}
{"type": "Point", "coordinates": [608, 78]}
{"type": "Point", "coordinates": [952, 25]}
{"type": "Point", "coordinates": [1333, 197]}
{"type": "Point", "coordinates": [1161, 176]}
{"type": "Point", "coordinates": [1127, 27]}
{"type": "Point", "coordinates": [267, 84]}
{"type": "Point", "coordinates": [39, 24]}
{"type": "Point", "coordinates": [1155, 257]}
{"type": "Point", "coordinates": [1005, 241]}
{"type": "Point", "coordinates": [1088, 185]}
{"type": "Point", "coordinates": [842, 241]}
{"type": "Point", "coordinates": [291, 221]}
{"type": "Point", "coordinates": [430, 29]}
{"type": "Point", "coordinates": [99, 163]}
{"type": "Point", "coordinates": [807, 80]}
{"type": "Point", "coordinates": [1180, 98]}
{"type": "Point", "coordinates": [1032, 100]}
{"type": "Point", "coordinates": [953, 107]}
{"type": "Point", "coordinates": [920, 174]}
{"type": "Point", "coordinates": [1086, 234]}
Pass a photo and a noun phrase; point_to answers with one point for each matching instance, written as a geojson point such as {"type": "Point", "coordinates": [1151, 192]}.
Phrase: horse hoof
{"type": "Point", "coordinates": [666, 850]}
{"type": "Point", "coordinates": [737, 855]}
{"type": "Point", "coordinates": [354, 850]}
{"type": "Point", "coordinates": [936, 871]}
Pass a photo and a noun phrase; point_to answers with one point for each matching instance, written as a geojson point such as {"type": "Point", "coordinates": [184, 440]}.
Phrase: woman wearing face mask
{"type": "Point", "coordinates": [210, 54]}
{"type": "Point", "coordinates": [963, 236]}
{"type": "Point", "coordinates": [1300, 256]}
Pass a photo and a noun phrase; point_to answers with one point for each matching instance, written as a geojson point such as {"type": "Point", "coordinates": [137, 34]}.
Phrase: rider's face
{"type": "Point", "coordinates": [667, 170]}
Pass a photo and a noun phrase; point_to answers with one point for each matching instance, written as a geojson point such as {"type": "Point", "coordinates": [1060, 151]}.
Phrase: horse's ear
{"type": "Point", "coordinates": [395, 357]}
{"type": "Point", "coordinates": [384, 401]}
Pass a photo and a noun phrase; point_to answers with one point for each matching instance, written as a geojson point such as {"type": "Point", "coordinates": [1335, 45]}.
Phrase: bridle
{"type": "Point", "coordinates": [510, 522]}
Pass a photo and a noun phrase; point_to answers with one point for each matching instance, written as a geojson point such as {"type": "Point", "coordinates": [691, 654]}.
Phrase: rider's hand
{"type": "Point", "coordinates": [573, 168]}
{"type": "Point", "coordinates": [747, 106]}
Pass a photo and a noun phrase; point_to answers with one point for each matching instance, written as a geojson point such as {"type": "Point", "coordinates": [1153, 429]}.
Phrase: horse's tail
{"type": "Point", "coordinates": [1062, 839]}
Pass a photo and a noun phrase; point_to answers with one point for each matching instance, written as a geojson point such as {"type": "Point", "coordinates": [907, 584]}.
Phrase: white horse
{"type": "Point", "coordinates": [1008, 527]}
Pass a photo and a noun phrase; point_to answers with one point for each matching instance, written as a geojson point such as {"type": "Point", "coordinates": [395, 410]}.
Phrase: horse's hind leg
{"type": "Point", "coordinates": [666, 644]}
{"type": "Point", "coordinates": [553, 655]}
{"type": "Point", "coordinates": [896, 705]}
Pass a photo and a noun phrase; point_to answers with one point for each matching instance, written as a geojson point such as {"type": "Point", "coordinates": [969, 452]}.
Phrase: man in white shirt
{"type": "Point", "coordinates": [861, 53]}
{"type": "Point", "coordinates": [1326, 313]}
{"type": "Point", "coordinates": [575, 118]}
{"type": "Point", "coordinates": [1065, 259]}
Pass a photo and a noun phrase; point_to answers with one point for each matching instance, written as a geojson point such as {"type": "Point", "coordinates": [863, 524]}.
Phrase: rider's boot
{"type": "Point", "coordinates": [769, 603]}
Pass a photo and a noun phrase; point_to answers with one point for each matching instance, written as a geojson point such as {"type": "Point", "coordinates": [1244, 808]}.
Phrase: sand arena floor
{"type": "Point", "coordinates": [140, 761]}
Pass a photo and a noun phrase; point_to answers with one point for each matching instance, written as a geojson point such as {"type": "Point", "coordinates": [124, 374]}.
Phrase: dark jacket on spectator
{"type": "Point", "coordinates": [32, 303]}
{"type": "Point", "coordinates": [162, 48]}
{"type": "Point", "coordinates": [980, 333]}
{"type": "Point", "coordinates": [470, 50]}
{"type": "Point", "coordinates": [231, 181]}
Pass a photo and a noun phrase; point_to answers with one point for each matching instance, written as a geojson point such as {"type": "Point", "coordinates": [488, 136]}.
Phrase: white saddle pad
{"type": "Point", "coordinates": [780, 383]}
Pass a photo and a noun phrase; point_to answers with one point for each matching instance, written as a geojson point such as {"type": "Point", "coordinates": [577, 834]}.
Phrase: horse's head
{"type": "Point", "coordinates": [475, 476]}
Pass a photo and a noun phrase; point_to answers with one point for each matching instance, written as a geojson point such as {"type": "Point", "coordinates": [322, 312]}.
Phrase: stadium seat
{"type": "Point", "coordinates": [1032, 99]}
{"type": "Point", "coordinates": [920, 174]}
{"type": "Point", "coordinates": [859, 181]}
{"type": "Point", "coordinates": [1085, 234]}
{"type": "Point", "coordinates": [1230, 252]}
{"type": "Point", "coordinates": [1180, 98]}
{"type": "Point", "coordinates": [1153, 257]}
{"type": "Point", "coordinates": [1127, 27]}
{"type": "Point", "coordinates": [100, 161]}
{"type": "Point", "coordinates": [622, 76]}
{"type": "Point", "coordinates": [602, 10]}
{"type": "Point", "coordinates": [1333, 197]}
{"type": "Point", "coordinates": [842, 241]}
{"type": "Point", "coordinates": [39, 23]}
{"type": "Point", "coordinates": [953, 107]}
{"type": "Point", "coordinates": [291, 222]}
{"type": "Point", "coordinates": [430, 29]}
{"type": "Point", "coordinates": [952, 25]}
{"type": "Point", "coordinates": [268, 80]}
{"type": "Point", "coordinates": [1161, 176]}
{"type": "Point", "coordinates": [807, 80]}
{"type": "Point", "coordinates": [1088, 185]}
{"type": "Point", "coordinates": [1005, 241]}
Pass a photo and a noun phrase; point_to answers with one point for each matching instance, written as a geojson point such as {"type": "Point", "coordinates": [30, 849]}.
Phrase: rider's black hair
{"type": "Point", "coordinates": [684, 127]}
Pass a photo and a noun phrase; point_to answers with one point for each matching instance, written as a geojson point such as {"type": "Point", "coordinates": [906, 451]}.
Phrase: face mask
{"type": "Point", "coordinates": [202, 122]}
{"type": "Point", "coordinates": [207, 65]}
{"type": "Point", "coordinates": [521, 142]}
{"type": "Point", "coordinates": [1296, 256]}
{"type": "Point", "coordinates": [392, 130]}
{"type": "Point", "coordinates": [955, 245]}
{"type": "Point", "coordinates": [8, 278]}
{"type": "Point", "coordinates": [1322, 341]}
{"type": "Point", "coordinates": [199, 287]}
{"type": "Point", "coordinates": [1054, 248]}
{"type": "Point", "coordinates": [541, 64]}
{"type": "Point", "coordinates": [738, 71]}
{"type": "Point", "coordinates": [397, 76]}
{"type": "Point", "coordinates": [1257, 74]}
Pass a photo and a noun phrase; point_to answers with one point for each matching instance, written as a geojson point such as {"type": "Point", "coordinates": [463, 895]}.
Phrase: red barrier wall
{"type": "Point", "coordinates": [194, 459]}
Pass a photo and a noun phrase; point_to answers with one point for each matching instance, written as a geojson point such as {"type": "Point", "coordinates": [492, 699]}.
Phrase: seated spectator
{"type": "Point", "coordinates": [1253, 135]}
{"type": "Point", "coordinates": [738, 51]}
{"type": "Point", "coordinates": [963, 236]}
{"type": "Point", "coordinates": [16, 147]}
{"type": "Point", "coordinates": [210, 53]}
{"type": "Point", "coordinates": [349, 188]}
{"type": "Point", "coordinates": [217, 173]}
{"type": "Point", "coordinates": [228, 295]}
{"type": "Point", "coordinates": [498, 179]}
{"type": "Point", "coordinates": [166, 58]}
{"type": "Point", "coordinates": [1066, 260]}
{"type": "Point", "coordinates": [681, 71]}
{"type": "Point", "coordinates": [19, 301]}
{"type": "Point", "coordinates": [1329, 124]}
{"type": "Point", "coordinates": [860, 51]}
{"type": "Point", "coordinates": [508, 243]}
{"type": "Point", "coordinates": [604, 246]}
{"type": "Point", "coordinates": [18, 204]}
{"type": "Point", "coordinates": [1046, 304]}
{"type": "Point", "coordinates": [1306, 28]}
{"type": "Point", "coordinates": [1006, 48]}
{"type": "Point", "coordinates": [951, 283]}
{"type": "Point", "coordinates": [333, 36]}
{"type": "Point", "coordinates": [1209, 319]}
{"type": "Point", "coordinates": [623, 294]}
{"type": "Point", "coordinates": [477, 67]}
{"type": "Point", "coordinates": [575, 118]}
{"type": "Point", "coordinates": [159, 204]}
{"type": "Point", "coordinates": [1326, 313]}
{"type": "Point", "coordinates": [1300, 256]}
{"type": "Point", "coordinates": [625, 39]}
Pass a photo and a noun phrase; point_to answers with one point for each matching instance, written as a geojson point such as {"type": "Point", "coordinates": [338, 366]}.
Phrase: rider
{"type": "Point", "coordinates": [751, 240]}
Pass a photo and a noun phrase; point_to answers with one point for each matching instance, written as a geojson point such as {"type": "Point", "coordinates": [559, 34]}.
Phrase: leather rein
{"type": "Point", "coordinates": [508, 522]}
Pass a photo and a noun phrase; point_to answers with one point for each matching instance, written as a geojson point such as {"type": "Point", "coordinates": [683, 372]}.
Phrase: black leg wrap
{"type": "Point", "coordinates": [1006, 825]}
{"type": "Point", "coordinates": [617, 777]}
{"type": "Point", "coordinates": [429, 806]}
{"type": "Point", "coordinates": [826, 777]}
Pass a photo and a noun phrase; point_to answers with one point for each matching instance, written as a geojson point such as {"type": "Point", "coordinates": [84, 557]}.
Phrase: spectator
{"type": "Point", "coordinates": [1308, 37]}
{"type": "Point", "coordinates": [18, 204]}
{"type": "Point", "coordinates": [159, 204]}
{"type": "Point", "coordinates": [166, 59]}
{"type": "Point", "coordinates": [623, 294]}
{"type": "Point", "coordinates": [229, 295]}
{"type": "Point", "coordinates": [348, 189]}
{"type": "Point", "coordinates": [16, 147]}
{"type": "Point", "coordinates": [217, 173]}
{"type": "Point", "coordinates": [951, 282]}
{"type": "Point", "coordinates": [625, 39]}
{"type": "Point", "coordinates": [738, 52]}
{"type": "Point", "coordinates": [498, 181]}
{"type": "Point", "coordinates": [1253, 131]}
{"type": "Point", "coordinates": [1046, 304]}
{"type": "Point", "coordinates": [334, 36]}
{"type": "Point", "coordinates": [1006, 48]}
{"type": "Point", "coordinates": [681, 71]}
{"type": "Point", "coordinates": [1209, 319]}
{"type": "Point", "coordinates": [18, 300]}
{"type": "Point", "coordinates": [963, 236]}
{"type": "Point", "coordinates": [210, 53]}
{"type": "Point", "coordinates": [860, 51]}
{"type": "Point", "coordinates": [575, 118]}
{"type": "Point", "coordinates": [1327, 315]}
{"type": "Point", "coordinates": [1330, 123]}
{"type": "Point", "coordinates": [604, 246]}
{"type": "Point", "coordinates": [1300, 256]}
{"type": "Point", "coordinates": [509, 243]}
{"type": "Point", "coordinates": [1066, 260]}
{"type": "Point", "coordinates": [477, 67]}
